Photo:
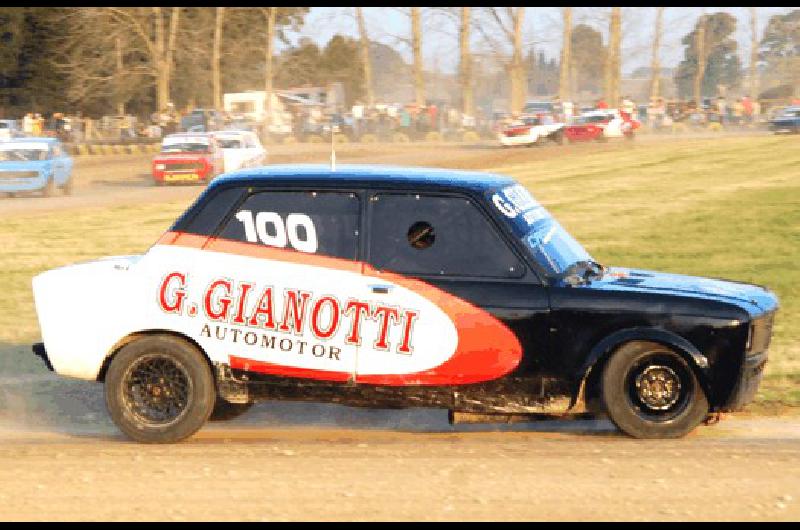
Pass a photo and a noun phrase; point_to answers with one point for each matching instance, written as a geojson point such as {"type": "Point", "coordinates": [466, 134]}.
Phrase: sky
{"type": "Point", "coordinates": [543, 26]}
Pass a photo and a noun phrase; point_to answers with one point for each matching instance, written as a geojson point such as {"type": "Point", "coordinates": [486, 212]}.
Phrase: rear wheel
{"type": "Point", "coordinates": [650, 391]}
{"type": "Point", "coordinates": [159, 389]}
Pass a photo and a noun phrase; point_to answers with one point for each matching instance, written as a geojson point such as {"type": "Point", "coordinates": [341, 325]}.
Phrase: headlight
{"type": "Point", "coordinates": [161, 167]}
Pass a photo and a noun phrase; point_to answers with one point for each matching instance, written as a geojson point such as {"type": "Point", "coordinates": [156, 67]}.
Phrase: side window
{"type": "Point", "coordinates": [211, 214]}
{"type": "Point", "coordinates": [323, 222]}
{"type": "Point", "coordinates": [433, 235]}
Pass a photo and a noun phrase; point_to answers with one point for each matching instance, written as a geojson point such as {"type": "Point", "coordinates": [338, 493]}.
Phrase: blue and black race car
{"type": "Point", "coordinates": [395, 287]}
{"type": "Point", "coordinates": [34, 164]}
{"type": "Point", "coordinates": [788, 121]}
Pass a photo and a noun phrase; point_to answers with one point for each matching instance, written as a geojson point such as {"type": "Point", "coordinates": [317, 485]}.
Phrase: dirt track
{"type": "Point", "coordinates": [62, 458]}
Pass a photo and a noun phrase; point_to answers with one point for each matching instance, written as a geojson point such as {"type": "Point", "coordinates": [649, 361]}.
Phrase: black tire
{"type": "Point", "coordinates": [558, 137]}
{"type": "Point", "coordinates": [67, 187]}
{"type": "Point", "coordinates": [225, 410]}
{"type": "Point", "coordinates": [50, 188]}
{"type": "Point", "coordinates": [639, 392]}
{"type": "Point", "coordinates": [175, 370]}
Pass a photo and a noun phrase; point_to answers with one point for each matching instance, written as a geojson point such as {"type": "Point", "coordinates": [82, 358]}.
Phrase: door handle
{"type": "Point", "coordinates": [381, 288]}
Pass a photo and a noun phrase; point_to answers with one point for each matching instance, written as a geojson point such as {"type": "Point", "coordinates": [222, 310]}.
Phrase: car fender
{"type": "Point", "coordinates": [686, 349]}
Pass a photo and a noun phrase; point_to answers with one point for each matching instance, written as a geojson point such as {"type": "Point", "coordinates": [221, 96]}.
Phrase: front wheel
{"type": "Point", "coordinates": [159, 389]}
{"type": "Point", "coordinates": [50, 187]}
{"type": "Point", "coordinates": [650, 391]}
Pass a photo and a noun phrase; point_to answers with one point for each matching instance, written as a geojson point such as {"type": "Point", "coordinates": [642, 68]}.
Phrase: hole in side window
{"type": "Point", "coordinates": [421, 235]}
{"type": "Point", "coordinates": [435, 235]}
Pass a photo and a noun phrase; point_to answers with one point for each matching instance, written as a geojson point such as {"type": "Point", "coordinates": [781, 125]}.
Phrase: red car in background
{"type": "Point", "coordinates": [600, 125]}
{"type": "Point", "coordinates": [187, 157]}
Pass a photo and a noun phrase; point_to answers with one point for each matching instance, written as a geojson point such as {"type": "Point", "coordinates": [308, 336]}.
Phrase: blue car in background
{"type": "Point", "coordinates": [788, 121]}
{"type": "Point", "coordinates": [35, 164]}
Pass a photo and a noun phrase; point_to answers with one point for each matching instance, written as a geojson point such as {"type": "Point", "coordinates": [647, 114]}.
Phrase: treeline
{"type": "Point", "coordinates": [104, 60]}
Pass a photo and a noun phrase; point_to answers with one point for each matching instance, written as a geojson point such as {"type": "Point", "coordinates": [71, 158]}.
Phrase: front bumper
{"type": "Point", "coordinates": [516, 140]}
{"type": "Point", "coordinates": [22, 183]}
{"type": "Point", "coordinates": [749, 380]}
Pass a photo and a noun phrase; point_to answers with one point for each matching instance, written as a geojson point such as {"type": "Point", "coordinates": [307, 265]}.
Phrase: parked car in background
{"type": "Point", "coordinates": [787, 121]}
{"type": "Point", "coordinates": [202, 120]}
{"type": "Point", "coordinates": [240, 149]}
{"type": "Point", "coordinates": [187, 158]}
{"type": "Point", "coordinates": [531, 130]}
{"type": "Point", "coordinates": [9, 129]}
{"type": "Point", "coordinates": [538, 107]}
{"type": "Point", "coordinates": [600, 125]}
{"type": "Point", "coordinates": [35, 164]}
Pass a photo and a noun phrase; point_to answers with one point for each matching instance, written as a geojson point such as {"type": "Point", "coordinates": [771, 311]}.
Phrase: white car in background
{"type": "Point", "coordinates": [240, 149]}
{"type": "Point", "coordinates": [530, 130]}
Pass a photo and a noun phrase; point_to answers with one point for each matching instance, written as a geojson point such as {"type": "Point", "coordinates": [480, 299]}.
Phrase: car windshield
{"type": "Point", "coordinates": [182, 145]}
{"type": "Point", "coordinates": [593, 118]}
{"type": "Point", "coordinates": [23, 153]}
{"type": "Point", "coordinates": [550, 244]}
{"type": "Point", "coordinates": [230, 143]}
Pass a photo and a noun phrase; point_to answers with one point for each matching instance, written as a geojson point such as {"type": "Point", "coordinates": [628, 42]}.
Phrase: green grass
{"type": "Point", "coordinates": [721, 207]}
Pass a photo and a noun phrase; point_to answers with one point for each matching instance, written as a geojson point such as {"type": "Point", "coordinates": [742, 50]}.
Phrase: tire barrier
{"type": "Point", "coordinates": [113, 149]}
{"type": "Point", "coordinates": [433, 136]}
{"type": "Point", "coordinates": [89, 149]}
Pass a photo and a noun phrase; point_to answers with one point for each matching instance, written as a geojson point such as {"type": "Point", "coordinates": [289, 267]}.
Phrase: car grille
{"type": "Point", "coordinates": [517, 132]}
{"type": "Point", "coordinates": [14, 175]}
{"type": "Point", "coordinates": [183, 166]}
{"type": "Point", "coordinates": [761, 331]}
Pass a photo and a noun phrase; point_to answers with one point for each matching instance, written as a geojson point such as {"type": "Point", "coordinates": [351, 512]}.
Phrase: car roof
{"type": "Point", "coordinates": [32, 139]}
{"type": "Point", "coordinates": [360, 175]}
{"type": "Point", "coordinates": [192, 134]}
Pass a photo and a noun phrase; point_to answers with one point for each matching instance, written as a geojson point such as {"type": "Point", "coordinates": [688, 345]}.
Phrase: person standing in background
{"type": "Point", "coordinates": [27, 124]}
{"type": "Point", "coordinates": [38, 124]}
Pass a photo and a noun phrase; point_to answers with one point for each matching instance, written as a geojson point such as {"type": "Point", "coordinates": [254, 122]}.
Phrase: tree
{"type": "Point", "coordinates": [509, 22]}
{"type": "Point", "coordinates": [215, 74]}
{"type": "Point", "coordinates": [722, 65]}
{"type": "Point", "coordinates": [465, 64]}
{"type": "Point", "coordinates": [564, 89]}
{"type": "Point", "coordinates": [613, 57]}
{"type": "Point", "coordinates": [365, 63]}
{"type": "Point", "coordinates": [779, 50]}
{"type": "Point", "coordinates": [339, 62]}
{"type": "Point", "coordinates": [588, 58]}
{"type": "Point", "coordinates": [416, 48]}
{"type": "Point", "coordinates": [655, 64]}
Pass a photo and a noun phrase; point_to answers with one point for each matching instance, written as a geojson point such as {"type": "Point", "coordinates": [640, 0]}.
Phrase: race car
{"type": "Point", "coordinates": [394, 287]}
{"type": "Point", "coordinates": [788, 121]}
{"type": "Point", "coordinates": [240, 149]}
{"type": "Point", "coordinates": [35, 164]}
{"type": "Point", "coordinates": [188, 157]}
{"type": "Point", "coordinates": [600, 125]}
{"type": "Point", "coordinates": [530, 131]}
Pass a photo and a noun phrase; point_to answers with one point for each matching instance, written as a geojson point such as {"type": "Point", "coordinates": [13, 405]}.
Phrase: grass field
{"type": "Point", "coordinates": [722, 207]}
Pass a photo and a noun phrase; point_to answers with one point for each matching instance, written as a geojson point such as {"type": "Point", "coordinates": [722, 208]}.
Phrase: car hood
{"type": "Point", "coordinates": [753, 298]}
{"type": "Point", "coordinates": [31, 165]}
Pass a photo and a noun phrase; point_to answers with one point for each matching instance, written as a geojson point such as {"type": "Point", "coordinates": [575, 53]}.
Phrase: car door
{"type": "Point", "coordinates": [449, 248]}
{"type": "Point", "coordinates": [287, 260]}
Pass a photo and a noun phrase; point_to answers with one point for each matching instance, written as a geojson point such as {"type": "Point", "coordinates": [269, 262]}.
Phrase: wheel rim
{"type": "Point", "coordinates": [659, 386]}
{"type": "Point", "coordinates": [157, 390]}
